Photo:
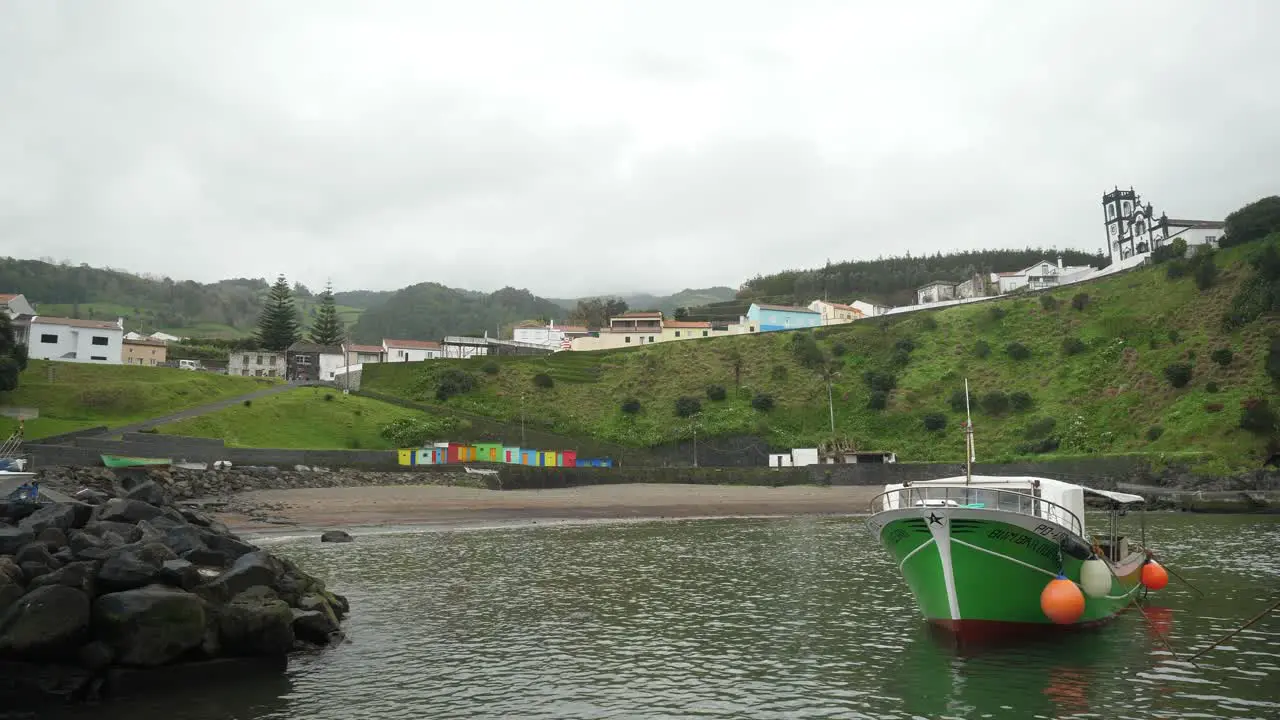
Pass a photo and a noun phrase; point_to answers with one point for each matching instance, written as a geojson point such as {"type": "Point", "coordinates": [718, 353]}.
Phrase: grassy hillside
{"type": "Point", "coordinates": [305, 418]}
{"type": "Point", "coordinates": [81, 395]}
{"type": "Point", "coordinates": [1111, 396]}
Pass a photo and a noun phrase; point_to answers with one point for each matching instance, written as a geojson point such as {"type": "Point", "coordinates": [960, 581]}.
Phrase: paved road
{"type": "Point", "coordinates": [198, 410]}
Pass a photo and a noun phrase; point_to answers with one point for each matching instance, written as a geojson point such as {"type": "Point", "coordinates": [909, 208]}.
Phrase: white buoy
{"type": "Point", "coordinates": [1095, 578]}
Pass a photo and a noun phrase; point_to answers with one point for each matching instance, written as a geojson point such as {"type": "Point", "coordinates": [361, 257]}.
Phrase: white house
{"type": "Point", "coordinates": [410, 350]}
{"type": "Point", "coordinates": [70, 340]}
{"type": "Point", "coordinates": [257, 363]}
{"type": "Point", "coordinates": [1133, 229]}
{"type": "Point", "coordinates": [936, 291]}
{"type": "Point", "coordinates": [869, 309]}
{"type": "Point", "coordinates": [1043, 275]}
{"type": "Point", "coordinates": [361, 354]}
{"type": "Point", "coordinates": [15, 305]}
{"type": "Point", "coordinates": [548, 335]}
{"type": "Point", "coordinates": [836, 313]}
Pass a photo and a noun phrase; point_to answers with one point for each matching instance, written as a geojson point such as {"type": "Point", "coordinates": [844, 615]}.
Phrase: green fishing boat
{"type": "Point", "coordinates": [126, 461]}
{"type": "Point", "coordinates": [989, 556]}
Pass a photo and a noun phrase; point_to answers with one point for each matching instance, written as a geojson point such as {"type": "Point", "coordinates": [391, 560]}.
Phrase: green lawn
{"type": "Point", "coordinates": [1104, 400]}
{"type": "Point", "coordinates": [81, 395]}
{"type": "Point", "coordinates": [305, 418]}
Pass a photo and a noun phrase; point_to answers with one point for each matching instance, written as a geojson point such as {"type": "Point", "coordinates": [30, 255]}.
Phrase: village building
{"type": "Point", "coordinates": [257, 363]}
{"type": "Point", "coordinates": [633, 329]}
{"type": "Point", "coordinates": [309, 362]}
{"type": "Point", "coordinates": [836, 313]}
{"type": "Point", "coordinates": [143, 351]}
{"type": "Point", "coordinates": [360, 354]}
{"type": "Point", "coordinates": [1044, 275]}
{"type": "Point", "coordinates": [936, 291]}
{"type": "Point", "coordinates": [72, 340]}
{"type": "Point", "coordinates": [869, 309]}
{"type": "Point", "coordinates": [772, 318]}
{"type": "Point", "coordinates": [410, 350]}
{"type": "Point", "coordinates": [548, 335]}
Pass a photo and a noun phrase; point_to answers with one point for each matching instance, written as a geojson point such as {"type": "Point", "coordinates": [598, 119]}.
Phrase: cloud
{"type": "Point", "coordinates": [582, 147]}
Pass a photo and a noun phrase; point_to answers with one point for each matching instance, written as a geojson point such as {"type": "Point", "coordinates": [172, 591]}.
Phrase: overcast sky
{"type": "Point", "coordinates": [599, 146]}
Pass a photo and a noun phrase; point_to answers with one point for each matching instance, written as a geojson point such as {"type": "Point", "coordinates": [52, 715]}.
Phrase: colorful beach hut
{"type": "Point", "coordinates": [528, 456]}
{"type": "Point", "coordinates": [511, 455]}
{"type": "Point", "coordinates": [488, 452]}
{"type": "Point", "coordinates": [404, 456]}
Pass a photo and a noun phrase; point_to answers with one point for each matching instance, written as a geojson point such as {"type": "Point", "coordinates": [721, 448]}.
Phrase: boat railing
{"type": "Point", "coordinates": [967, 496]}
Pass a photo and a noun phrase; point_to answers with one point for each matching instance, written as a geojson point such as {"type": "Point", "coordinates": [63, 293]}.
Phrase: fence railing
{"type": "Point", "coordinates": [977, 497]}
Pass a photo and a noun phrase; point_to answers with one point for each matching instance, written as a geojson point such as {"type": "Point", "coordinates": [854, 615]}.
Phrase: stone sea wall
{"type": "Point", "coordinates": [123, 589]}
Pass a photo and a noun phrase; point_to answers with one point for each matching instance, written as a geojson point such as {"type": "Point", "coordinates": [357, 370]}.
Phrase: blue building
{"type": "Point", "coordinates": [768, 318]}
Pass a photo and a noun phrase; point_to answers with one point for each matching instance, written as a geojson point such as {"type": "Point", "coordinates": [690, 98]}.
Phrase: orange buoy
{"type": "Point", "coordinates": [1061, 601]}
{"type": "Point", "coordinates": [1154, 577]}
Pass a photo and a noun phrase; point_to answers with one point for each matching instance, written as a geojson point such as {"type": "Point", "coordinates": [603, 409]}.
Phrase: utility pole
{"type": "Point", "coordinates": [831, 405]}
{"type": "Point", "coordinates": [695, 446]}
{"type": "Point", "coordinates": [522, 443]}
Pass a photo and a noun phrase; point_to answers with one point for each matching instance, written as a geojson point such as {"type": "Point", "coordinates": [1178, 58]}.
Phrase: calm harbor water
{"type": "Point", "coordinates": [798, 618]}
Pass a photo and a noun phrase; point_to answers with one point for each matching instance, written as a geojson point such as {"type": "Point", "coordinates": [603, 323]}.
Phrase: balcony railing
{"type": "Point", "coordinates": [968, 496]}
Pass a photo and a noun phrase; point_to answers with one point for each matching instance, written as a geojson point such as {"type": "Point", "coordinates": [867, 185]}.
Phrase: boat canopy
{"type": "Point", "coordinates": [1116, 496]}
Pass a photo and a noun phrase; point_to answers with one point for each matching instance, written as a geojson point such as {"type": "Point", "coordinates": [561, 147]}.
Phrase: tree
{"type": "Point", "coordinates": [328, 329]}
{"type": "Point", "coordinates": [1253, 221]}
{"type": "Point", "coordinates": [595, 312]}
{"type": "Point", "coordinates": [278, 324]}
{"type": "Point", "coordinates": [13, 355]}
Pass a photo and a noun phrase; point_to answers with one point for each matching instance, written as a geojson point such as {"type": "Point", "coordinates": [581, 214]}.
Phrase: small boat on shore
{"type": "Point", "coordinates": [989, 556]}
{"type": "Point", "coordinates": [127, 461]}
{"type": "Point", "coordinates": [184, 465]}
{"type": "Point", "coordinates": [478, 471]}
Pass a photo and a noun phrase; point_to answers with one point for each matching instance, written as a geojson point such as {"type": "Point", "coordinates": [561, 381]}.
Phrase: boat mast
{"type": "Point", "coordinates": [968, 436]}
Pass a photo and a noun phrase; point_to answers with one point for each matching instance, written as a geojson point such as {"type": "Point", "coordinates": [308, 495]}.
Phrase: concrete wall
{"type": "Point", "coordinates": [88, 452]}
{"type": "Point", "coordinates": [68, 437]}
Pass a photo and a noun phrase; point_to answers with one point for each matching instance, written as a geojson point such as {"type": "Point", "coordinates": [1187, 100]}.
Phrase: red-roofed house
{"type": "Point", "coordinates": [411, 350]}
{"type": "Point", "coordinates": [836, 313]}
{"type": "Point", "coordinates": [360, 354]}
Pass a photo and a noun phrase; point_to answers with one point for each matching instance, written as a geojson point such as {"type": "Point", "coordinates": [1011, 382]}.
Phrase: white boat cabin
{"type": "Point", "coordinates": [1053, 500]}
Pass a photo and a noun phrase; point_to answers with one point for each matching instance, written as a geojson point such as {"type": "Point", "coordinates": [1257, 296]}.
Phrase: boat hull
{"type": "Point", "coordinates": [123, 461]}
{"type": "Point", "coordinates": [979, 573]}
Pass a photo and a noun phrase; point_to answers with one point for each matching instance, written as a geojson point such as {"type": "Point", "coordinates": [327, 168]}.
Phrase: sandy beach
{"type": "Point", "coordinates": [428, 504]}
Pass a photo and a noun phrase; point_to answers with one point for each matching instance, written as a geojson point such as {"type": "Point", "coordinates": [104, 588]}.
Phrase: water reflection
{"type": "Point", "coordinates": [738, 619]}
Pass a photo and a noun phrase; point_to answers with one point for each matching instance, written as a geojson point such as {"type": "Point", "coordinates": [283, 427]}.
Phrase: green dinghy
{"type": "Point", "coordinates": [126, 461]}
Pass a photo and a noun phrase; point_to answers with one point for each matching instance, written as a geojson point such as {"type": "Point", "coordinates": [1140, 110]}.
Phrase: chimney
{"type": "Point", "coordinates": [1059, 262]}
{"type": "Point", "coordinates": [120, 322]}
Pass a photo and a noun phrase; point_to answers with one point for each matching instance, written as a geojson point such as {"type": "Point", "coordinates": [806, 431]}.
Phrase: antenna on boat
{"type": "Point", "coordinates": [968, 436]}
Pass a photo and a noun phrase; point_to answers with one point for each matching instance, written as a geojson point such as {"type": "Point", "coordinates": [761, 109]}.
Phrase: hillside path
{"type": "Point", "coordinates": [198, 410]}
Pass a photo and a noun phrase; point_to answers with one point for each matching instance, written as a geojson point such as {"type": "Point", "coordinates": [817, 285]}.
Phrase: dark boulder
{"type": "Point", "coordinates": [53, 538]}
{"type": "Point", "coordinates": [10, 568]}
{"type": "Point", "coordinates": [256, 622]}
{"type": "Point", "coordinates": [79, 575]}
{"type": "Point", "coordinates": [339, 604]}
{"type": "Point", "coordinates": [150, 625]}
{"type": "Point", "coordinates": [249, 570]}
{"type": "Point", "coordinates": [133, 566]}
{"type": "Point", "coordinates": [35, 686]}
{"type": "Point", "coordinates": [195, 517]}
{"type": "Point", "coordinates": [128, 531]}
{"type": "Point", "coordinates": [125, 511]}
{"type": "Point", "coordinates": [92, 496]}
{"type": "Point", "coordinates": [314, 626]}
{"type": "Point", "coordinates": [79, 541]}
{"type": "Point", "coordinates": [229, 545]}
{"type": "Point", "coordinates": [11, 589]}
{"type": "Point", "coordinates": [183, 539]}
{"type": "Point", "coordinates": [95, 655]}
{"type": "Point", "coordinates": [335, 536]}
{"type": "Point", "coordinates": [64, 516]}
{"type": "Point", "coordinates": [148, 533]}
{"type": "Point", "coordinates": [13, 538]}
{"type": "Point", "coordinates": [180, 574]}
{"type": "Point", "coordinates": [45, 622]}
{"type": "Point", "coordinates": [147, 492]}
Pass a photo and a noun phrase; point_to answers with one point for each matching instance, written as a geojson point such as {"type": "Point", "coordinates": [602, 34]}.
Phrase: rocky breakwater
{"type": "Point", "coordinates": [101, 597]}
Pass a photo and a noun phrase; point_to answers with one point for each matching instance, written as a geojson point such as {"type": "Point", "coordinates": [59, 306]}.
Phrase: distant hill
{"type": "Point", "coordinates": [432, 311]}
{"type": "Point", "coordinates": [666, 303]}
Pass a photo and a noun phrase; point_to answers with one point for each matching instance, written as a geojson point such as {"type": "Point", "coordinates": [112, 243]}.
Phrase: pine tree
{"type": "Point", "coordinates": [278, 323]}
{"type": "Point", "coordinates": [327, 329]}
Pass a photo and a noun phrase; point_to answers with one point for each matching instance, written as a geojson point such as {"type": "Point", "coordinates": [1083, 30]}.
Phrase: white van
{"type": "Point", "coordinates": [188, 364]}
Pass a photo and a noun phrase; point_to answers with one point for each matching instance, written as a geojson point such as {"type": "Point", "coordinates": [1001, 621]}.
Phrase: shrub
{"type": "Point", "coordinates": [779, 373]}
{"type": "Point", "coordinates": [899, 358]}
{"type": "Point", "coordinates": [1080, 301]}
{"type": "Point", "coordinates": [957, 401]}
{"type": "Point", "coordinates": [1204, 269]}
{"type": "Point", "coordinates": [806, 350]}
{"type": "Point", "coordinates": [905, 345]}
{"type": "Point", "coordinates": [489, 368]}
{"type": "Point", "coordinates": [1178, 247]}
{"type": "Point", "coordinates": [715, 393]}
{"type": "Point", "coordinates": [328, 397]}
{"type": "Point", "coordinates": [1211, 387]}
{"type": "Point", "coordinates": [762, 402]}
{"type": "Point", "coordinates": [1048, 302]}
{"type": "Point", "coordinates": [248, 403]}
{"type": "Point", "coordinates": [1021, 401]}
{"type": "Point", "coordinates": [1176, 270]}
{"type": "Point", "coordinates": [995, 402]}
{"type": "Point", "coordinates": [1072, 346]}
{"type": "Point", "coordinates": [928, 322]}
{"type": "Point", "coordinates": [1038, 447]}
{"type": "Point", "coordinates": [878, 400]}
{"type": "Point", "coordinates": [1256, 220]}
{"type": "Point", "coordinates": [1273, 359]}
{"type": "Point", "coordinates": [1178, 374]}
{"type": "Point", "coordinates": [1154, 432]}
{"type": "Point", "coordinates": [631, 406]}
{"type": "Point", "coordinates": [1222, 356]}
{"type": "Point", "coordinates": [453, 382]}
{"type": "Point", "coordinates": [543, 381]}
{"type": "Point", "coordinates": [997, 313]}
{"type": "Point", "coordinates": [934, 422]}
{"type": "Point", "coordinates": [687, 406]}
{"type": "Point", "coordinates": [878, 381]}
{"type": "Point", "coordinates": [838, 349]}
{"type": "Point", "coordinates": [1039, 428]}
{"type": "Point", "coordinates": [1257, 417]}
{"type": "Point", "coordinates": [1175, 337]}
{"type": "Point", "coordinates": [982, 349]}
{"type": "Point", "coordinates": [1017, 351]}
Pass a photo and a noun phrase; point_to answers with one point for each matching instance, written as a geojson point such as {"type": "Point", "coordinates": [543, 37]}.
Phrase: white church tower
{"type": "Point", "coordinates": [1133, 228]}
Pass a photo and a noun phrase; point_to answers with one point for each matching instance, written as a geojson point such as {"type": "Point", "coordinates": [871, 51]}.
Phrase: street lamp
{"type": "Point", "coordinates": [831, 405]}
{"type": "Point", "coordinates": [522, 443]}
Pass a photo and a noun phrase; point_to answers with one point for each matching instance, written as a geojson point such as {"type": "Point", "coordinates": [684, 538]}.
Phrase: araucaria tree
{"type": "Point", "coordinates": [13, 355]}
{"type": "Point", "coordinates": [278, 326]}
{"type": "Point", "coordinates": [327, 329]}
